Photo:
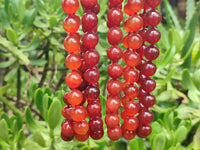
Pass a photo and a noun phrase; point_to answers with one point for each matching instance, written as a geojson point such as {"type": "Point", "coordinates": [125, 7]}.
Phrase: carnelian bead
{"type": "Point", "coordinates": [131, 108]}
{"type": "Point", "coordinates": [96, 124]}
{"type": "Point", "coordinates": [139, 66]}
{"type": "Point", "coordinates": [141, 78]}
{"type": "Point", "coordinates": [73, 61]}
{"type": "Point", "coordinates": [66, 138]}
{"type": "Point", "coordinates": [91, 75]}
{"type": "Point", "coordinates": [124, 99]}
{"type": "Point", "coordinates": [92, 92]}
{"type": "Point", "coordinates": [148, 84]}
{"type": "Point", "coordinates": [140, 50]}
{"type": "Point", "coordinates": [148, 68]}
{"type": "Point", "coordinates": [128, 134]}
{"type": "Point", "coordinates": [96, 8]}
{"type": "Point", "coordinates": [115, 70]}
{"type": "Point", "coordinates": [112, 120]}
{"type": "Point", "coordinates": [131, 91]}
{"type": "Point", "coordinates": [114, 133]}
{"type": "Point", "coordinates": [135, 5]}
{"type": "Point", "coordinates": [116, 2]}
{"type": "Point", "coordinates": [79, 113]}
{"type": "Point", "coordinates": [131, 123]}
{"type": "Point", "coordinates": [74, 97]}
{"type": "Point", "coordinates": [124, 84]}
{"type": "Point", "coordinates": [110, 25]}
{"type": "Point", "coordinates": [91, 58]}
{"type": "Point", "coordinates": [83, 137]}
{"type": "Point", "coordinates": [73, 79]}
{"type": "Point", "coordinates": [148, 100]}
{"type": "Point", "coordinates": [145, 117]}
{"type": "Point", "coordinates": [134, 41]}
{"type": "Point", "coordinates": [83, 48]}
{"type": "Point", "coordinates": [89, 21]}
{"type": "Point", "coordinates": [114, 36]}
{"type": "Point", "coordinates": [90, 40]}
{"type": "Point", "coordinates": [153, 18]}
{"type": "Point", "coordinates": [115, 16]}
{"type": "Point", "coordinates": [113, 104]}
{"type": "Point", "coordinates": [146, 6]}
{"type": "Point", "coordinates": [144, 131]}
{"type": "Point", "coordinates": [127, 10]}
{"type": "Point", "coordinates": [132, 59]}
{"type": "Point", "coordinates": [66, 112]}
{"type": "Point", "coordinates": [81, 128]}
{"type": "Point", "coordinates": [71, 23]}
{"type": "Point", "coordinates": [124, 40]}
{"type": "Point", "coordinates": [88, 4]}
{"type": "Point", "coordinates": [133, 23]}
{"type": "Point", "coordinates": [94, 109]}
{"type": "Point", "coordinates": [114, 53]}
{"type": "Point", "coordinates": [111, 5]}
{"type": "Point", "coordinates": [152, 36]}
{"type": "Point", "coordinates": [114, 86]}
{"type": "Point", "coordinates": [124, 54]}
{"type": "Point", "coordinates": [131, 75]}
{"type": "Point", "coordinates": [72, 43]}
{"type": "Point", "coordinates": [96, 135]}
{"type": "Point", "coordinates": [151, 52]}
{"type": "Point", "coordinates": [153, 3]}
{"type": "Point", "coordinates": [140, 93]}
{"type": "Point", "coordinates": [123, 114]}
{"type": "Point", "coordinates": [65, 98]}
{"type": "Point", "coordinates": [67, 128]}
{"type": "Point", "coordinates": [83, 85]}
{"type": "Point", "coordinates": [142, 33]}
{"type": "Point", "coordinates": [70, 6]}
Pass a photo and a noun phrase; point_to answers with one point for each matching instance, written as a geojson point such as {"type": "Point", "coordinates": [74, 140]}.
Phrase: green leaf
{"type": "Point", "coordinates": [53, 21]}
{"type": "Point", "coordinates": [5, 88]}
{"type": "Point", "coordinates": [48, 91]}
{"type": "Point", "coordinates": [192, 28]}
{"type": "Point", "coordinates": [196, 79]}
{"type": "Point", "coordinates": [169, 55]}
{"type": "Point", "coordinates": [137, 144]}
{"type": "Point", "coordinates": [4, 130]}
{"type": "Point", "coordinates": [39, 138]}
{"type": "Point", "coordinates": [38, 98]}
{"type": "Point", "coordinates": [180, 134]}
{"type": "Point", "coordinates": [14, 50]}
{"type": "Point", "coordinates": [187, 81]}
{"type": "Point", "coordinates": [29, 18]}
{"type": "Point", "coordinates": [190, 9]}
{"type": "Point", "coordinates": [34, 44]}
{"type": "Point", "coordinates": [54, 114]}
{"type": "Point", "coordinates": [159, 142]}
{"type": "Point", "coordinates": [11, 35]}
{"type": "Point", "coordinates": [173, 15]}
{"type": "Point", "coordinates": [31, 122]}
{"type": "Point", "coordinates": [30, 145]}
{"type": "Point", "coordinates": [38, 62]}
{"type": "Point", "coordinates": [7, 63]}
{"type": "Point", "coordinates": [45, 106]}
{"type": "Point", "coordinates": [20, 139]}
{"type": "Point", "coordinates": [4, 19]}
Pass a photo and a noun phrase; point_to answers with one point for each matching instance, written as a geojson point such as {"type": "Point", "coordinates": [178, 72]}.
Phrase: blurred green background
{"type": "Point", "coordinates": [32, 74]}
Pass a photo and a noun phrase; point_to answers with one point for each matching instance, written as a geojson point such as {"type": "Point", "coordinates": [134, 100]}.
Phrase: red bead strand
{"type": "Point", "coordinates": [90, 59]}
{"type": "Point", "coordinates": [147, 68]}
{"type": "Point", "coordinates": [115, 71]}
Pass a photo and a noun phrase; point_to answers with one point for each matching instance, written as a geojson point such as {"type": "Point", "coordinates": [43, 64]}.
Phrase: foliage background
{"type": "Point", "coordinates": [32, 74]}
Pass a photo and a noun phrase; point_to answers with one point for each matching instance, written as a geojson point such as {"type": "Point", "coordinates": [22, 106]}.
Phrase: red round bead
{"type": "Point", "coordinates": [131, 75]}
{"type": "Point", "coordinates": [114, 133]}
{"type": "Point", "coordinates": [71, 23]}
{"type": "Point", "coordinates": [90, 40]}
{"type": "Point", "coordinates": [134, 41]}
{"type": "Point", "coordinates": [79, 113]}
{"type": "Point", "coordinates": [115, 16]}
{"type": "Point", "coordinates": [72, 42]}
{"type": "Point", "coordinates": [89, 21]}
{"type": "Point", "coordinates": [113, 104]}
{"type": "Point", "coordinates": [115, 70]}
{"type": "Point", "coordinates": [91, 58]}
{"type": "Point", "coordinates": [132, 59]}
{"type": "Point", "coordinates": [135, 5]}
{"type": "Point", "coordinates": [88, 4]}
{"type": "Point", "coordinates": [73, 80]}
{"type": "Point", "coordinates": [133, 23]}
{"type": "Point", "coordinates": [70, 6]}
{"type": "Point", "coordinates": [114, 86]}
{"type": "Point", "coordinates": [144, 130]}
{"type": "Point", "coordinates": [74, 97]}
{"type": "Point", "coordinates": [131, 108]}
{"type": "Point", "coordinates": [81, 128]}
{"type": "Point", "coordinates": [114, 53]}
{"type": "Point", "coordinates": [112, 120]}
{"type": "Point", "coordinates": [131, 91]}
{"type": "Point", "coordinates": [152, 36]}
{"type": "Point", "coordinates": [131, 123]}
{"type": "Point", "coordinates": [114, 35]}
{"type": "Point", "coordinates": [67, 129]}
{"type": "Point", "coordinates": [91, 75]}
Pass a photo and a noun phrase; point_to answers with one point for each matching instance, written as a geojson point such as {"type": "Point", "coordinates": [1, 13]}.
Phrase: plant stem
{"type": "Point", "coordinates": [18, 86]}
{"type": "Point", "coordinates": [52, 139]}
{"type": "Point", "coordinates": [10, 105]}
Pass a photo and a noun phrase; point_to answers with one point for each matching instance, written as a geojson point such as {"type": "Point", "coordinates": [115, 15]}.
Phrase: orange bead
{"type": "Point", "coordinates": [127, 10]}
{"type": "Point", "coordinates": [124, 40]}
{"type": "Point", "coordinates": [74, 97]}
{"type": "Point", "coordinates": [132, 59]}
{"type": "Point", "coordinates": [81, 128]}
{"type": "Point", "coordinates": [131, 91]}
{"type": "Point", "coordinates": [134, 41]}
{"type": "Point", "coordinates": [70, 6]}
{"type": "Point", "coordinates": [73, 79]}
{"type": "Point", "coordinates": [135, 5]}
{"type": "Point", "coordinates": [72, 42]}
{"type": "Point", "coordinates": [71, 23]}
{"type": "Point", "coordinates": [79, 113]}
{"type": "Point", "coordinates": [73, 61]}
{"type": "Point", "coordinates": [133, 23]}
